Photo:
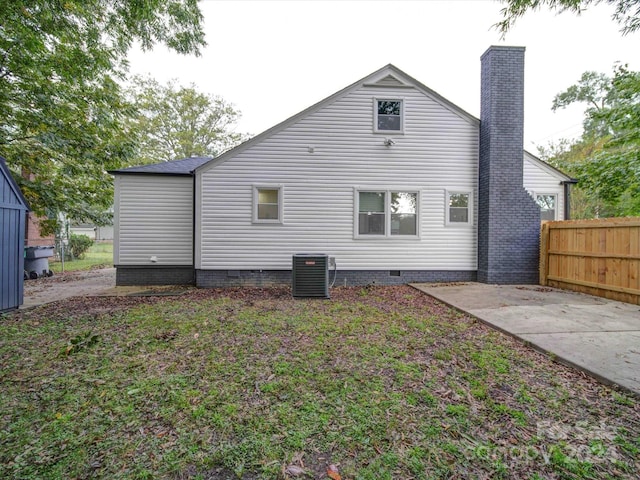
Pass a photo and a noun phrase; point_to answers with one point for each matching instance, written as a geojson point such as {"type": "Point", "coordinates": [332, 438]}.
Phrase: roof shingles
{"type": "Point", "coordinates": [183, 166]}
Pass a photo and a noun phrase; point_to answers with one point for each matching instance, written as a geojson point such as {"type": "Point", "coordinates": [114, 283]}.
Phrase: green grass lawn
{"type": "Point", "coordinates": [383, 382]}
{"type": "Point", "coordinates": [99, 255]}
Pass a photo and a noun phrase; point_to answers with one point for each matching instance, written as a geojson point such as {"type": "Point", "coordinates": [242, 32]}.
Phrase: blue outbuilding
{"type": "Point", "coordinates": [13, 209]}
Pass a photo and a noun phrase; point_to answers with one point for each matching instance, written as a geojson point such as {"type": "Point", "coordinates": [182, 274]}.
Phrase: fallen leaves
{"type": "Point", "coordinates": [332, 472]}
{"type": "Point", "coordinates": [294, 471]}
{"type": "Point", "coordinates": [375, 376]}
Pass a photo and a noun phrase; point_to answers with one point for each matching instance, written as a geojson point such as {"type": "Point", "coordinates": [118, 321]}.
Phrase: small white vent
{"type": "Point", "coordinates": [390, 81]}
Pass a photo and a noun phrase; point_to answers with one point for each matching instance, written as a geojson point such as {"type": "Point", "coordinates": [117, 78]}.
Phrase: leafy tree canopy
{"type": "Point", "coordinates": [173, 121]}
{"type": "Point", "coordinates": [606, 159]}
{"type": "Point", "coordinates": [61, 107]}
{"type": "Point", "coordinates": [626, 14]}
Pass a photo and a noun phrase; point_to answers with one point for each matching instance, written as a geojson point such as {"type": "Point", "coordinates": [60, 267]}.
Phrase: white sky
{"type": "Point", "coordinates": [273, 59]}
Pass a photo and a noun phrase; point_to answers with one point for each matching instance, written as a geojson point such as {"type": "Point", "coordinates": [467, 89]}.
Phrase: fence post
{"type": "Point", "coordinates": [544, 253]}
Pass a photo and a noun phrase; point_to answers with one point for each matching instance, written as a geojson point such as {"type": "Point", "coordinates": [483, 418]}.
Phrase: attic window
{"type": "Point", "coordinates": [389, 115]}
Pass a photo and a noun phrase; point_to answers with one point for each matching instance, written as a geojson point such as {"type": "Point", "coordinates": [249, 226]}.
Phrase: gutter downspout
{"type": "Point", "coordinates": [567, 196]}
{"type": "Point", "coordinates": [193, 229]}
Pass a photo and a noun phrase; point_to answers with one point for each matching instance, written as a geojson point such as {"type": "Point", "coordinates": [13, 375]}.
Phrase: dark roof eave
{"type": "Point", "coordinates": [160, 174]}
{"type": "Point", "coordinates": [178, 167]}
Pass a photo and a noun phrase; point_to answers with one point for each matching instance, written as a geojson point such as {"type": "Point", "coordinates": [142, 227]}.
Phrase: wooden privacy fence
{"type": "Point", "coordinates": [599, 257]}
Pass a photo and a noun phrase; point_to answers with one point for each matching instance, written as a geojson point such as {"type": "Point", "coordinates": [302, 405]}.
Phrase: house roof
{"type": "Point", "coordinates": [389, 75]}
{"type": "Point", "coordinates": [183, 166]}
{"type": "Point", "coordinates": [563, 177]}
{"type": "Point", "coordinates": [12, 184]}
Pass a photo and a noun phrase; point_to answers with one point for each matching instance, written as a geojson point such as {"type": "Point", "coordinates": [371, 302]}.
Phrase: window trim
{"type": "Point", "coordinates": [264, 186]}
{"type": "Point", "coordinates": [387, 213]}
{"type": "Point", "coordinates": [555, 208]}
{"type": "Point", "coordinates": [447, 209]}
{"type": "Point", "coordinates": [375, 115]}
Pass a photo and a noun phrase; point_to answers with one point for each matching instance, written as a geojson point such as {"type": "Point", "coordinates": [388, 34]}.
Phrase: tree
{"type": "Point", "coordinates": [61, 108]}
{"type": "Point", "coordinates": [606, 159]}
{"type": "Point", "coordinates": [596, 91]}
{"type": "Point", "coordinates": [173, 121]}
{"type": "Point", "coordinates": [627, 12]}
{"type": "Point", "coordinates": [567, 156]}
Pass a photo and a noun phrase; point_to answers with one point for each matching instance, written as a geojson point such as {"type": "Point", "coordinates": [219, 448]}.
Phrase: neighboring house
{"type": "Point", "coordinates": [392, 180]}
{"type": "Point", "coordinates": [94, 232]}
{"type": "Point", "coordinates": [13, 210]}
{"type": "Point", "coordinates": [33, 233]}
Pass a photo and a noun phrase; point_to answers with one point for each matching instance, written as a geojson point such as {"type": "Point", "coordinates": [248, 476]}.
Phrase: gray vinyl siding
{"type": "Point", "coordinates": [540, 180]}
{"type": "Point", "coordinates": [153, 217]}
{"type": "Point", "coordinates": [438, 151]}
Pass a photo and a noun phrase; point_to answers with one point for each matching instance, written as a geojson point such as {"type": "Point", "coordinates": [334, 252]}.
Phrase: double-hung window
{"type": "Point", "coordinates": [386, 213]}
{"type": "Point", "coordinates": [458, 208]}
{"type": "Point", "coordinates": [547, 204]}
{"type": "Point", "coordinates": [404, 213]}
{"type": "Point", "coordinates": [267, 204]}
{"type": "Point", "coordinates": [372, 212]}
{"type": "Point", "coordinates": [388, 115]}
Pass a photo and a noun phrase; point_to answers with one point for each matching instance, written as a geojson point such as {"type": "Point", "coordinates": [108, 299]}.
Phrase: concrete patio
{"type": "Point", "coordinates": [596, 335]}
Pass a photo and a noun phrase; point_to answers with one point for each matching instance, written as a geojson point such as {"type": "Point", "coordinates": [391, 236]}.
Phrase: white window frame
{"type": "Point", "coordinates": [387, 213]}
{"type": "Point", "coordinates": [447, 199]}
{"type": "Point", "coordinates": [375, 115]}
{"type": "Point", "coordinates": [256, 189]}
{"type": "Point", "coordinates": [548, 194]}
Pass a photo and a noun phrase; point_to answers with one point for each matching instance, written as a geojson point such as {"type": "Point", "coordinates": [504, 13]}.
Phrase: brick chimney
{"type": "Point", "coordinates": [508, 217]}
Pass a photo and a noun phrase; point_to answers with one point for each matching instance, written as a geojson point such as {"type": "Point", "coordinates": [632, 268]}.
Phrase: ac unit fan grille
{"type": "Point", "coordinates": [310, 275]}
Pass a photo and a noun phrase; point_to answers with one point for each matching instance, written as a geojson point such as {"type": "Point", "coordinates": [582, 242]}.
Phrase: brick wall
{"type": "Point", "coordinates": [32, 234]}
{"type": "Point", "coordinates": [508, 217]}
{"type": "Point", "coordinates": [266, 278]}
{"type": "Point", "coordinates": [142, 275]}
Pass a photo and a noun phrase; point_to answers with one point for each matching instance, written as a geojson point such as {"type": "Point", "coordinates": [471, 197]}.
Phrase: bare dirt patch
{"type": "Point", "coordinates": [85, 286]}
{"type": "Point", "coordinates": [68, 284]}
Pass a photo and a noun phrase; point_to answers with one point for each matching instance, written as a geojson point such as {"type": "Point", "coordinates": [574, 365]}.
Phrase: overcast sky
{"type": "Point", "coordinates": [274, 59]}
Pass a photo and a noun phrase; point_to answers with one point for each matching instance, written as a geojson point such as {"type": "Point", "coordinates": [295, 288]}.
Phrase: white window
{"type": "Point", "coordinates": [404, 213]}
{"type": "Point", "coordinates": [459, 208]}
{"type": "Point", "coordinates": [386, 213]}
{"type": "Point", "coordinates": [371, 213]}
{"type": "Point", "coordinates": [547, 204]}
{"type": "Point", "coordinates": [267, 203]}
{"type": "Point", "coordinates": [388, 115]}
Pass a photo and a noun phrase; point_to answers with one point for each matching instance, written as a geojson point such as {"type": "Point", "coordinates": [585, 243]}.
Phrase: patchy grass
{"type": "Point", "coordinates": [100, 255]}
{"type": "Point", "coordinates": [383, 382]}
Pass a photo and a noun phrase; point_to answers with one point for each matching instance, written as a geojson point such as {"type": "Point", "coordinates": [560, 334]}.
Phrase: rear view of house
{"type": "Point", "coordinates": [386, 177]}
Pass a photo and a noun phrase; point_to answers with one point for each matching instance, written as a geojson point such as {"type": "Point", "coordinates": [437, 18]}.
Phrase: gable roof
{"type": "Point", "coordinates": [4, 169]}
{"type": "Point", "coordinates": [563, 177]}
{"type": "Point", "coordinates": [183, 166]}
{"type": "Point", "coordinates": [387, 76]}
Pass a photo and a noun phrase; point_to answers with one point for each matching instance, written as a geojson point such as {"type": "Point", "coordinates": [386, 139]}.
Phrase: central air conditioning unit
{"type": "Point", "coordinates": [310, 275]}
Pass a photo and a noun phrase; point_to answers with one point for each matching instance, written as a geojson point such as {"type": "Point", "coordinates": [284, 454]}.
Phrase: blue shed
{"type": "Point", "coordinates": [13, 208]}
